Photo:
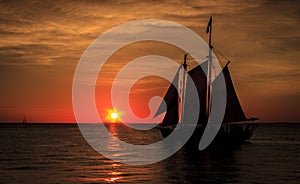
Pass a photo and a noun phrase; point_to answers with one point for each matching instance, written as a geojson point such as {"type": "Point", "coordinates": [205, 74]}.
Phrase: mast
{"type": "Point", "coordinates": [175, 99]}
{"type": "Point", "coordinates": [208, 94]}
{"type": "Point", "coordinates": [184, 62]}
{"type": "Point", "coordinates": [182, 88]}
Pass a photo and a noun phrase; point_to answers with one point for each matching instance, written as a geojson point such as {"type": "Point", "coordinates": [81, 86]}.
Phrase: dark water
{"type": "Point", "coordinates": [59, 154]}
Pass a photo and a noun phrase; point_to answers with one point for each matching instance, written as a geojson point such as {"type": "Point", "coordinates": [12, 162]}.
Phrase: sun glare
{"type": "Point", "coordinates": [113, 116]}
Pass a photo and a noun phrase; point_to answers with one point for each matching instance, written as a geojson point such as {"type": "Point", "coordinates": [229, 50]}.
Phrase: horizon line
{"type": "Point", "coordinates": [15, 122]}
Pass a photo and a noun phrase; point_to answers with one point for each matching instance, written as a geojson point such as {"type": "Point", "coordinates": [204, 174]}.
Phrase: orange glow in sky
{"type": "Point", "coordinates": [42, 43]}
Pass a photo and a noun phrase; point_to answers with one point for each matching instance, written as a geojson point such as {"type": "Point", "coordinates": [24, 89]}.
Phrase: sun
{"type": "Point", "coordinates": [113, 116]}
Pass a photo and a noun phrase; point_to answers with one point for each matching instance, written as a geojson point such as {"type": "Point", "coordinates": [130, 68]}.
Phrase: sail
{"type": "Point", "coordinates": [171, 97]}
{"type": "Point", "coordinates": [234, 111]}
{"type": "Point", "coordinates": [24, 120]}
{"type": "Point", "coordinates": [171, 100]}
{"type": "Point", "coordinates": [200, 80]}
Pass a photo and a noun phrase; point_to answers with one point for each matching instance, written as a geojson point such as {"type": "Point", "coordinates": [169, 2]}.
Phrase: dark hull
{"type": "Point", "coordinates": [228, 135]}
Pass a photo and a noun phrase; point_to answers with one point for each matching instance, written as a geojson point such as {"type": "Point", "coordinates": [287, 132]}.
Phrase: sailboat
{"type": "Point", "coordinates": [235, 128]}
{"type": "Point", "coordinates": [24, 120]}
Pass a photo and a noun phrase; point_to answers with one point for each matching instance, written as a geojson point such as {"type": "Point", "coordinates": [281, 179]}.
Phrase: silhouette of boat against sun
{"type": "Point", "coordinates": [24, 121]}
{"type": "Point", "coordinates": [235, 128]}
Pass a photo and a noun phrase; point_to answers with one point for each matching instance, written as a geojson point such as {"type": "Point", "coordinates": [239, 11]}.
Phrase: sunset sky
{"type": "Point", "coordinates": [42, 42]}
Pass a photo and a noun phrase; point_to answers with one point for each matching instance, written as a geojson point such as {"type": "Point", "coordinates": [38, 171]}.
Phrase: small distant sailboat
{"type": "Point", "coordinates": [24, 120]}
{"type": "Point", "coordinates": [236, 127]}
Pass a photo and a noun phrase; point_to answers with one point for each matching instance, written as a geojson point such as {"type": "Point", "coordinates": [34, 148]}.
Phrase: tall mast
{"type": "Point", "coordinates": [184, 62]}
{"type": "Point", "coordinates": [182, 88]}
{"type": "Point", "coordinates": [208, 105]}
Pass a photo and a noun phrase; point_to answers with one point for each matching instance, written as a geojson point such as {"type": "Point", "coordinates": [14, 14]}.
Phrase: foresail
{"type": "Point", "coordinates": [234, 111]}
{"type": "Point", "coordinates": [171, 100]}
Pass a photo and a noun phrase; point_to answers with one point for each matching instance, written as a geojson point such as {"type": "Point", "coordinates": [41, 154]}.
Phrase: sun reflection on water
{"type": "Point", "coordinates": [113, 179]}
{"type": "Point", "coordinates": [114, 175]}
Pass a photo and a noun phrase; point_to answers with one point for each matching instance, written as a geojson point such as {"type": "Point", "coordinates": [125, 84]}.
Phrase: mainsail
{"type": "Point", "coordinates": [171, 97]}
{"type": "Point", "coordinates": [199, 78]}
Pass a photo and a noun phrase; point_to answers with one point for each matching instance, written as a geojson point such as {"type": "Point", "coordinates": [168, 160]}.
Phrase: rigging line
{"type": "Point", "coordinates": [221, 54]}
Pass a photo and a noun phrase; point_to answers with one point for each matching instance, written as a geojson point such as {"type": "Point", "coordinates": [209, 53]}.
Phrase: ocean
{"type": "Point", "coordinates": [52, 153]}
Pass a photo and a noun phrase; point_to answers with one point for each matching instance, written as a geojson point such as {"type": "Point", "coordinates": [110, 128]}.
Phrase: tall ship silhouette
{"type": "Point", "coordinates": [235, 128]}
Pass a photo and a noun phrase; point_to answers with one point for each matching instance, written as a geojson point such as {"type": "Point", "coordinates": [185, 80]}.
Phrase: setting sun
{"type": "Point", "coordinates": [113, 116]}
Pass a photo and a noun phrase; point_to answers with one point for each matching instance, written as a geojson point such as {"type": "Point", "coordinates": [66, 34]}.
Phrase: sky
{"type": "Point", "coordinates": [42, 43]}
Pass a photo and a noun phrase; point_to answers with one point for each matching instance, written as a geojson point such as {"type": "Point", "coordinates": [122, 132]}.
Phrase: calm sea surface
{"type": "Point", "coordinates": [59, 154]}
